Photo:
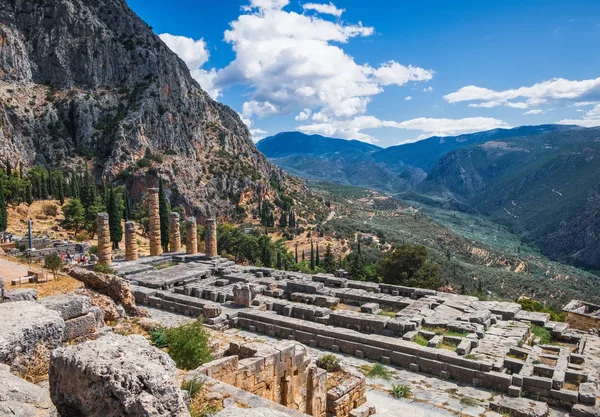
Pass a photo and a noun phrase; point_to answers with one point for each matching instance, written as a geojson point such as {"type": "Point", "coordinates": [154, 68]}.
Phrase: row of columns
{"type": "Point", "coordinates": [131, 248]}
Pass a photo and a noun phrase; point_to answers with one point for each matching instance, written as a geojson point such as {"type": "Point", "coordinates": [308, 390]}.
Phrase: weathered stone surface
{"type": "Point", "coordinates": [68, 305]}
{"type": "Point", "coordinates": [243, 295]}
{"type": "Point", "coordinates": [191, 236]}
{"type": "Point", "coordinates": [104, 244]}
{"type": "Point", "coordinates": [250, 412]}
{"type": "Point", "coordinates": [153, 214]}
{"type": "Point", "coordinates": [103, 302]}
{"type": "Point", "coordinates": [80, 326]}
{"type": "Point", "coordinates": [211, 310]}
{"type": "Point", "coordinates": [210, 234]}
{"type": "Point", "coordinates": [520, 407]}
{"type": "Point", "coordinates": [115, 376]}
{"type": "Point", "coordinates": [24, 324]}
{"type": "Point", "coordinates": [21, 398]}
{"type": "Point", "coordinates": [110, 285]}
{"type": "Point", "coordinates": [21, 294]}
{"type": "Point", "coordinates": [131, 248]}
{"type": "Point", "coordinates": [174, 233]}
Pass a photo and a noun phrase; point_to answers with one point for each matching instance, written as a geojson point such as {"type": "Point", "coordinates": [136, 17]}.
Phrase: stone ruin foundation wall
{"type": "Point", "coordinates": [104, 245]}
{"type": "Point", "coordinates": [174, 234]}
{"type": "Point", "coordinates": [284, 374]}
{"type": "Point", "coordinates": [153, 213]}
{"type": "Point", "coordinates": [582, 321]}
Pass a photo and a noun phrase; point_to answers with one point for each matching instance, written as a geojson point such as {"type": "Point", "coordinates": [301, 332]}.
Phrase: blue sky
{"type": "Point", "coordinates": [389, 72]}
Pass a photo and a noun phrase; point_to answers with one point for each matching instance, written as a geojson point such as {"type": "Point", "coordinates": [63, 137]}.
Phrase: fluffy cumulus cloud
{"type": "Point", "coordinates": [557, 91]}
{"type": "Point", "coordinates": [258, 134]}
{"type": "Point", "coordinates": [195, 54]}
{"type": "Point", "coordinates": [591, 118]}
{"type": "Point", "coordinates": [324, 8]}
{"type": "Point", "coordinates": [353, 129]}
{"type": "Point", "coordinates": [293, 62]}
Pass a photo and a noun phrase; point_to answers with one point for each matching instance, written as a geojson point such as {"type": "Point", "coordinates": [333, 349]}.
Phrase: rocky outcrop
{"type": "Point", "coordinates": [110, 285]}
{"type": "Point", "coordinates": [115, 376]}
{"type": "Point", "coordinates": [81, 78]}
{"type": "Point", "coordinates": [21, 398]}
{"type": "Point", "coordinates": [24, 325]}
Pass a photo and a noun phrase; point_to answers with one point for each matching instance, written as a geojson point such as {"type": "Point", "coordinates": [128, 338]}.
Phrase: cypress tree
{"type": "Point", "coordinates": [312, 256]}
{"type": "Point", "coordinates": [61, 189]}
{"type": "Point", "coordinates": [114, 219]}
{"type": "Point", "coordinates": [21, 169]}
{"type": "Point", "coordinates": [296, 253]}
{"type": "Point", "coordinates": [127, 207]}
{"type": "Point", "coordinates": [303, 257]}
{"type": "Point", "coordinates": [3, 213]}
{"type": "Point", "coordinates": [8, 167]}
{"type": "Point", "coordinates": [29, 194]}
{"type": "Point", "coordinates": [283, 220]}
{"type": "Point", "coordinates": [317, 257]}
{"type": "Point", "coordinates": [163, 211]}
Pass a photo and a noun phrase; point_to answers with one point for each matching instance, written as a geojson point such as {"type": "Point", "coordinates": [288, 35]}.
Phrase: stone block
{"type": "Point", "coordinates": [80, 326]}
{"type": "Point", "coordinates": [565, 396]}
{"type": "Point", "coordinates": [514, 391]}
{"type": "Point", "coordinates": [582, 410]}
{"type": "Point", "coordinates": [587, 393]}
{"type": "Point", "coordinates": [371, 308]}
{"type": "Point", "coordinates": [414, 367]}
{"type": "Point", "coordinates": [21, 294]}
{"type": "Point", "coordinates": [68, 306]}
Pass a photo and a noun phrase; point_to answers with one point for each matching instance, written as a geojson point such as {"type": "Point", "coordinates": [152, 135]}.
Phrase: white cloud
{"type": "Point", "coordinates": [535, 111]}
{"type": "Point", "coordinates": [293, 62]}
{"type": "Point", "coordinates": [428, 89]}
{"type": "Point", "coordinates": [303, 115]}
{"type": "Point", "coordinates": [324, 8]}
{"type": "Point", "coordinates": [258, 134]}
{"type": "Point", "coordinates": [195, 55]}
{"type": "Point", "coordinates": [590, 119]}
{"type": "Point", "coordinates": [554, 91]}
{"type": "Point", "coordinates": [408, 98]}
{"type": "Point", "coordinates": [353, 129]}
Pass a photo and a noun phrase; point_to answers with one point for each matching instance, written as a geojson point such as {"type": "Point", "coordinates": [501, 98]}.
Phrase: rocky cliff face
{"type": "Point", "coordinates": [87, 79]}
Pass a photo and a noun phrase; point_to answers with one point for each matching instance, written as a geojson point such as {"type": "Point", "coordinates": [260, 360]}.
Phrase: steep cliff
{"type": "Point", "coordinates": [88, 80]}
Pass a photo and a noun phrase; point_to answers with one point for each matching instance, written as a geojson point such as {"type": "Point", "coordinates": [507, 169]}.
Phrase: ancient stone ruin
{"type": "Point", "coordinates": [104, 244]}
{"type": "Point", "coordinates": [191, 236]}
{"type": "Point", "coordinates": [582, 315]}
{"type": "Point", "coordinates": [131, 248]}
{"type": "Point", "coordinates": [174, 234]}
{"type": "Point", "coordinates": [211, 238]}
{"type": "Point", "coordinates": [153, 214]}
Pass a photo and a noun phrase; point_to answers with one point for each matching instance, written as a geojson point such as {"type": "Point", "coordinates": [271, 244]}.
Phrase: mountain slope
{"type": "Point", "coordinates": [425, 153]}
{"type": "Point", "coordinates": [347, 162]}
{"type": "Point", "coordinates": [544, 187]}
{"type": "Point", "coordinates": [88, 79]}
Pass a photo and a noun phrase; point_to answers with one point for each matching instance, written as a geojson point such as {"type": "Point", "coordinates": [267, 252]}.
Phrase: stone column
{"type": "Point", "coordinates": [191, 236]}
{"type": "Point", "coordinates": [174, 235]}
{"type": "Point", "coordinates": [104, 245]}
{"type": "Point", "coordinates": [131, 248]}
{"type": "Point", "coordinates": [211, 238]}
{"type": "Point", "coordinates": [153, 214]}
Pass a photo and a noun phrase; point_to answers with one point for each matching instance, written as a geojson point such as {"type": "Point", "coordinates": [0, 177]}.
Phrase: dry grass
{"type": "Point", "coordinates": [35, 368]}
{"type": "Point", "coordinates": [547, 361]}
{"type": "Point", "coordinates": [63, 285]}
{"type": "Point", "coordinates": [129, 326]}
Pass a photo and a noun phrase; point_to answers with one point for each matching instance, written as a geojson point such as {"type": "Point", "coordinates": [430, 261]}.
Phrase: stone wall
{"type": "Point", "coordinates": [582, 321]}
{"type": "Point", "coordinates": [284, 374]}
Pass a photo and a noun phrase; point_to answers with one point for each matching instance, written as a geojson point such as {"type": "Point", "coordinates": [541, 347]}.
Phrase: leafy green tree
{"type": "Point", "coordinates": [409, 265]}
{"type": "Point", "coordinates": [74, 214]}
{"type": "Point", "coordinates": [53, 262]}
{"type": "Point", "coordinates": [114, 218]}
{"type": "Point", "coordinates": [189, 345]}
{"type": "Point", "coordinates": [163, 211]}
{"type": "Point", "coordinates": [3, 212]}
{"type": "Point", "coordinates": [91, 215]}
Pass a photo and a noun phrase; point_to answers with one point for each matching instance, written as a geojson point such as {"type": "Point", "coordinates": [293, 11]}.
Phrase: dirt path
{"type": "Point", "coordinates": [11, 270]}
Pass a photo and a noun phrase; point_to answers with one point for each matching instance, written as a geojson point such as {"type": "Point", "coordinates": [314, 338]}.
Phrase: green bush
{"type": "Point", "coordinates": [104, 269]}
{"type": "Point", "coordinates": [93, 250]}
{"type": "Point", "coordinates": [379, 371]}
{"type": "Point", "coordinates": [542, 333]}
{"type": "Point", "coordinates": [158, 338]}
{"type": "Point", "coordinates": [192, 386]}
{"type": "Point", "coordinates": [400, 391]}
{"type": "Point", "coordinates": [329, 362]}
{"type": "Point", "coordinates": [188, 345]}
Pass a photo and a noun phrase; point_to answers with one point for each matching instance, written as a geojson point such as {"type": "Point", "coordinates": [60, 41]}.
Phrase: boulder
{"type": "Point", "coordinates": [21, 294]}
{"type": "Point", "coordinates": [68, 306]}
{"type": "Point", "coordinates": [115, 376]}
{"type": "Point", "coordinates": [25, 324]}
{"type": "Point", "coordinates": [21, 398]}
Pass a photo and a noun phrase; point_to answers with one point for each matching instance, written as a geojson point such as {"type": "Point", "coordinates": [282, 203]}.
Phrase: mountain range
{"type": "Point", "coordinates": [540, 181]}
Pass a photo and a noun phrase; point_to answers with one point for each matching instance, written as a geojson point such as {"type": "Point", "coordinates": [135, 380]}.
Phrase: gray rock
{"type": "Point", "coordinates": [21, 294]}
{"type": "Point", "coordinates": [99, 315]}
{"type": "Point", "coordinates": [21, 398]}
{"type": "Point", "coordinates": [24, 324]}
{"type": "Point", "coordinates": [250, 412]}
{"type": "Point", "coordinates": [115, 376]}
{"type": "Point", "coordinates": [80, 326]}
{"type": "Point", "coordinates": [243, 295]}
{"type": "Point", "coordinates": [68, 306]}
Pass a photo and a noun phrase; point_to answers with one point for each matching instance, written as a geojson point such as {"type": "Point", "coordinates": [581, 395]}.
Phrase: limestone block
{"type": "Point", "coordinates": [243, 295]}
{"type": "Point", "coordinates": [587, 393]}
{"type": "Point", "coordinates": [80, 326]}
{"type": "Point", "coordinates": [21, 294]}
{"type": "Point", "coordinates": [21, 398]}
{"type": "Point", "coordinates": [115, 376]}
{"type": "Point", "coordinates": [68, 305]}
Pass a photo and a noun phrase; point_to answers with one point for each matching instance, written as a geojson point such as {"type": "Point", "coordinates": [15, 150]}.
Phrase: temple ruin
{"type": "Point", "coordinates": [104, 244]}
{"type": "Point", "coordinates": [174, 234]}
{"type": "Point", "coordinates": [191, 236]}
{"type": "Point", "coordinates": [131, 248]}
{"type": "Point", "coordinates": [211, 238]}
{"type": "Point", "coordinates": [153, 214]}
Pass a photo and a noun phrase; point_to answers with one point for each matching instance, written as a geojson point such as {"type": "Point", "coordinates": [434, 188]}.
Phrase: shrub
{"type": "Point", "coordinates": [104, 269]}
{"type": "Point", "coordinates": [158, 338]}
{"type": "Point", "coordinates": [192, 386]}
{"type": "Point", "coordinates": [420, 340]}
{"type": "Point", "coordinates": [400, 391]}
{"type": "Point", "coordinates": [94, 250]}
{"type": "Point", "coordinates": [82, 237]}
{"type": "Point", "coordinates": [50, 209]}
{"type": "Point", "coordinates": [542, 333]}
{"type": "Point", "coordinates": [468, 401]}
{"type": "Point", "coordinates": [188, 345]}
{"type": "Point", "coordinates": [53, 262]}
{"type": "Point", "coordinates": [329, 362]}
{"type": "Point", "coordinates": [379, 371]}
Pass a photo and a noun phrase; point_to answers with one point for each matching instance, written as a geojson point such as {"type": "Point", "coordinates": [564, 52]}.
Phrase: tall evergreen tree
{"type": "Point", "coordinates": [296, 258]}
{"type": "Point", "coordinates": [328, 260]}
{"type": "Point", "coordinates": [303, 256]}
{"type": "Point", "coordinates": [114, 218]}
{"type": "Point", "coordinates": [29, 194]}
{"type": "Point", "coordinates": [163, 211]}
{"type": "Point", "coordinates": [317, 257]}
{"type": "Point", "coordinates": [8, 167]}
{"type": "Point", "coordinates": [312, 256]}
{"type": "Point", "coordinates": [292, 220]}
{"type": "Point", "coordinates": [127, 206]}
{"type": "Point", "coordinates": [283, 219]}
{"type": "Point", "coordinates": [3, 212]}
{"type": "Point", "coordinates": [61, 189]}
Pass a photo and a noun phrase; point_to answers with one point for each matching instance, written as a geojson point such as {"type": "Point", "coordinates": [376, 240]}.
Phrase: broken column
{"type": "Point", "coordinates": [174, 235]}
{"type": "Point", "coordinates": [211, 238]}
{"type": "Point", "coordinates": [191, 236]}
{"type": "Point", "coordinates": [153, 214]}
{"type": "Point", "coordinates": [104, 245]}
{"type": "Point", "coordinates": [131, 249]}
